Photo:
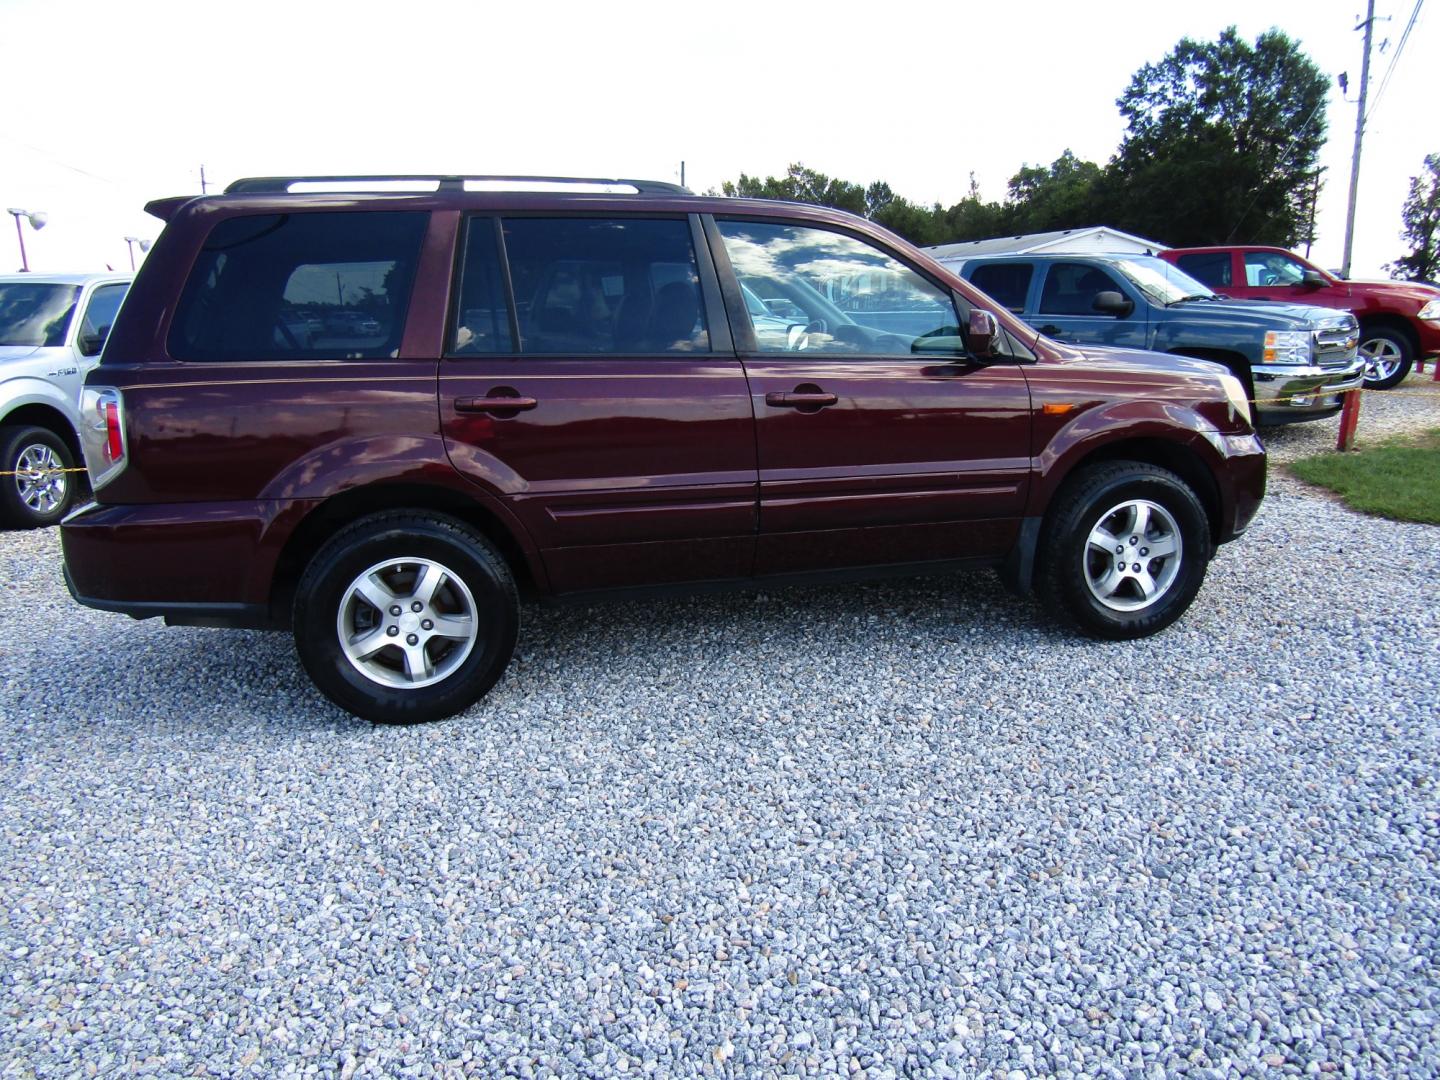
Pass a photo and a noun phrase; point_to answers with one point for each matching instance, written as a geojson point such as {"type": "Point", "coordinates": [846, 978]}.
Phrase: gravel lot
{"type": "Point", "coordinates": [904, 829]}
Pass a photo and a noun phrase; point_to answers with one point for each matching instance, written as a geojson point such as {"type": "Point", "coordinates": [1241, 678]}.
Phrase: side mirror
{"type": "Point", "coordinates": [982, 333]}
{"type": "Point", "coordinates": [1313, 279]}
{"type": "Point", "coordinates": [1110, 302]}
{"type": "Point", "coordinates": [91, 343]}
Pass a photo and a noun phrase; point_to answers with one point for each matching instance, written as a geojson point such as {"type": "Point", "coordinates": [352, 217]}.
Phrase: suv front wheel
{"type": "Point", "coordinates": [403, 618]}
{"type": "Point", "coordinates": [36, 489]}
{"type": "Point", "coordinates": [1125, 551]}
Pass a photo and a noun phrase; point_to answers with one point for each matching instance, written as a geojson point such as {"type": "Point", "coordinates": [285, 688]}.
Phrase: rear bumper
{"type": "Point", "coordinates": [196, 564]}
{"type": "Point", "coordinates": [1285, 393]}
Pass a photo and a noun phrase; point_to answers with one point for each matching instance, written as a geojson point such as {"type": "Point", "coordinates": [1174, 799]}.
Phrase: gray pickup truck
{"type": "Point", "coordinates": [52, 327]}
{"type": "Point", "coordinates": [1294, 359]}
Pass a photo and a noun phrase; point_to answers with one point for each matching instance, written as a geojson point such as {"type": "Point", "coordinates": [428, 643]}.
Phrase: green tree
{"type": "Point", "coordinates": [1222, 143]}
{"type": "Point", "coordinates": [800, 184]}
{"type": "Point", "coordinates": [1063, 196]}
{"type": "Point", "coordinates": [1421, 217]}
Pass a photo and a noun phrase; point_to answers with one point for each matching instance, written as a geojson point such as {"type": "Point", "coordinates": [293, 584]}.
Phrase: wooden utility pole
{"type": "Point", "coordinates": [1369, 25]}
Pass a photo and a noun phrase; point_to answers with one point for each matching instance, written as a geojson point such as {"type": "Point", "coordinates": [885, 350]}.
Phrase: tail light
{"type": "Point", "coordinates": [104, 411]}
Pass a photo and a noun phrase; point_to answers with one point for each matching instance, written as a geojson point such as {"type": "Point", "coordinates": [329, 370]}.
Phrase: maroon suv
{"type": "Point", "coordinates": [378, 417]}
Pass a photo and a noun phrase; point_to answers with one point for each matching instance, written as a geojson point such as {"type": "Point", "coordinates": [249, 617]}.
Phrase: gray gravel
{"type": "Point", "coordinates": [906, 830]}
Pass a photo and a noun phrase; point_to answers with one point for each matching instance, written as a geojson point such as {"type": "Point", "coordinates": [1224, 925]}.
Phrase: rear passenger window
{"type": "Point", "coordinates": [1211, 267]}
{"type": "Point", "coordinates": [300, 286]}
{"type": "Point", "coordinates": [1008, 283]}
{"type": "Point", "coordinates": [593, 285]}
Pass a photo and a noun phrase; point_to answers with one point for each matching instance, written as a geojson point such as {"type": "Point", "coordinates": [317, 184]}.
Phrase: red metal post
{"type": "Point", "coordinates": [1349, 417]}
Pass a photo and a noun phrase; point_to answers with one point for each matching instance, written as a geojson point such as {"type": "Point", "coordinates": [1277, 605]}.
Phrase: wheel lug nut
{"type": "Point", "coordinates": [1136, 568]}
{"type": "Point", "coordinates": [394, 609]}
{"type": "Point", "coordinates": [411, 639]}
{"type": "Point", "coordinates": [392, 630]}
{"type": "Point", "coordinates": [426, 624]}
{"type": "Point", "coordinates": [1120, 565]}
{"type": "Point", "coordinates": [1119, 549]}
{"type": "Point", "coordinates": [1134, 540]}
{"type": "Point", "coordinates": [1144, 552]}
{"type": "Point", "coordinates": [416, 606]}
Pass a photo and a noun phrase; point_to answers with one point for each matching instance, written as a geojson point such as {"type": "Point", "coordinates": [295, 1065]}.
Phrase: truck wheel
{"type": "Point", "coordinates": [33, 493]}
{"type": "Point", "coordinates": [403, 618]}
{"type": "Point", "coordinates": [1388, 357]}
{"type": "Point", "coordinates": [1125, 550]}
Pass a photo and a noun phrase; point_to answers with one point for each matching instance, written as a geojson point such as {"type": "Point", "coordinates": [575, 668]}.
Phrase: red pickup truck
{"type": "Point", "coordinates": [1399, 320]}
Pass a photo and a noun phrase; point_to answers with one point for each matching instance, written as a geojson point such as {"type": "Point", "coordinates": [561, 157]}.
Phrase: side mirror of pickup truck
{"type": "Point", "coordinates": [1110, 302]}
{"type": "Point", "coordinates": [1313, 279]}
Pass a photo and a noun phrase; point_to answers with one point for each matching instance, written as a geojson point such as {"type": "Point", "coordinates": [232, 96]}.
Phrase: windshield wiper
{"type": "Point", "coordinates": [1197, 296]}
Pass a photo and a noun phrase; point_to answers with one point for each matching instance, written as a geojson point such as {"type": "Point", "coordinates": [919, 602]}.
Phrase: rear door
{"type": "Point", "coordinates": [880, 439]}
{"type": "Point", "coordinates": [1066, 311]}
{"type": "Point", "coordinates": [589, 380]}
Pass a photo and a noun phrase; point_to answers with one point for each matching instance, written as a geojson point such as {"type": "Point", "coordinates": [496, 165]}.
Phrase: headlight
{"type": "Point", "coordinates": [1288, 347]}
{"type": "Point", "coordinates": [1431, 311]}
{"type": "Point", "coordinates": [1235, 393]}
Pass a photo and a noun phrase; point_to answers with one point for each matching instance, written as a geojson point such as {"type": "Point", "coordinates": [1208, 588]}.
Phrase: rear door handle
{"type": "Point", "coordinates": [800, 399]}
{"type": "Point", "coordinates": [494, 404]}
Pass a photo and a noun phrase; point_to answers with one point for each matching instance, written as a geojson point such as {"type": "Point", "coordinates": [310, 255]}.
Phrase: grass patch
{"type": "Point", "coordinates": [1399, 480]}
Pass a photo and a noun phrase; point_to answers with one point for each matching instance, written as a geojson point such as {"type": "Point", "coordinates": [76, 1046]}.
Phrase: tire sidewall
{"type": "Point", "coordinates": [1406, 358]}
{"type": "Point", "coordinates": [13, 509]}
{"type": "Point", "coordinates": [323, 588]}
{"type": "Point", "coordinates": [1155, 486]}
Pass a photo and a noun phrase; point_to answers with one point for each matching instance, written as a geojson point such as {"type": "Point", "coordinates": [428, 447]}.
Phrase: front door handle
{"type": "Point", "coordinates": [1051, 330]}
{"type": "Point", "coordinates": [800, 399]}
{"type": "Point", "coordinates": [494, 404]}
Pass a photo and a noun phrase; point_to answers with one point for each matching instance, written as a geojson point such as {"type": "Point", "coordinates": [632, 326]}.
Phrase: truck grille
{"type": "Point", "coordinates": [1336, 340]}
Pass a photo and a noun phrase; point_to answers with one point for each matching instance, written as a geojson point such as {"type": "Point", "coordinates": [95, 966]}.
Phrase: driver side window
{"type": "Point", "coordinates": [1266, 269]}
{"type": "Point", "coordinates": [821, 291]}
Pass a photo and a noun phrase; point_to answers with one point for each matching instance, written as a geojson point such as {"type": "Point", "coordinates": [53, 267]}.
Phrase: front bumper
{"type": "Point", "coordinates": [1285, 393]}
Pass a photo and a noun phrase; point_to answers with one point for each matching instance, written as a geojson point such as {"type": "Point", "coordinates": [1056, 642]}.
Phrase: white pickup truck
{"type": "Point", "coordinates": [52, 327]}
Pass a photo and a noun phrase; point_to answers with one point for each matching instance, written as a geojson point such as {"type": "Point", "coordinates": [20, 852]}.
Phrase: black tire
{"type": "Point", "coordinates": [1069, 564]}
{"type": "Point", "coordinates": [478, 579]}
{"type": "Point", "coordinates": [1396, 354]}
{"type": "Point", "coordinates": [28, 502]}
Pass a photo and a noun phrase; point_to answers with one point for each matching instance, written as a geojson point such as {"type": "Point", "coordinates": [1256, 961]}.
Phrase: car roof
{"type": "Point", "coordinates": [65, 279]}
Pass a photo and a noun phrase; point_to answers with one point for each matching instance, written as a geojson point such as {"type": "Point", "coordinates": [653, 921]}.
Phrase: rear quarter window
{"type": "Point", "coordinates": [327, 285]}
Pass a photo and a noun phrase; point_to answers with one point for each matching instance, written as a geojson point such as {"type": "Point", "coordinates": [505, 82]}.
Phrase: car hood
{"type": "Point", "coordinates": [1392, 291]}
{"type": "Point", "coordinates": [1260, 314]}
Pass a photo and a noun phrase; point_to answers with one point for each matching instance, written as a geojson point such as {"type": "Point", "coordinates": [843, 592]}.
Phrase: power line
{"type": "Point", "coordinates": [1400, 48]}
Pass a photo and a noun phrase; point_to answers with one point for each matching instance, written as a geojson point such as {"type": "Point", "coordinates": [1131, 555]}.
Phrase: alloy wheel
{"type": "Point", "coordinates": [1133, 555]}
{"type": "Point", "coordinates": [407, 623]}
{"type": "Point", "coordinates": [1382, 358]}
{"type": "Point", "coordinates": [39, 478]}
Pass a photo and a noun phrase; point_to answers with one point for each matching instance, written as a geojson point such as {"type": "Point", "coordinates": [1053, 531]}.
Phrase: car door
{"type": "Point", "coordinates": [1065, 309]}
{"type": "Point", "coordinates": [880, 440]}
{"type": "Point", "coordinates": [1272, 275]}
{"type": "Point", "coordinates": [591, 383]}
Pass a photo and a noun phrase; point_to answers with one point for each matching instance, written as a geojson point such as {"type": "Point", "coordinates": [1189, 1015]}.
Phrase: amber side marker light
{"type": "Point", "coordinates": [1059, 408]}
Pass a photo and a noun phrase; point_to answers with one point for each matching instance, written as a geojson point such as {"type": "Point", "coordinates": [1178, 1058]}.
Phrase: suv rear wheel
{"type": "Point", "coordinates": [33, 491]}
{"type": "Point", "coordinates": [1126, 550]}
{"type": "Point", "coordinates": [403, 618]}
{"type": "Point", "coordinates": [1388, 356]}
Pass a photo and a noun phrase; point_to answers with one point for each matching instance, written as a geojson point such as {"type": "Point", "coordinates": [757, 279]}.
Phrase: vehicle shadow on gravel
{"type": "Point", "coordinates": [571, 653]}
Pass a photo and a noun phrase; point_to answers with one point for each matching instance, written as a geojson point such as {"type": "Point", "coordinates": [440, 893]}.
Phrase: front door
{"type": "Point", "coordinates": [1066, 309]}
{"type": "Point", "coordinates": [880, 440]}
{"type": "Point", "coordinates": [590, 383]}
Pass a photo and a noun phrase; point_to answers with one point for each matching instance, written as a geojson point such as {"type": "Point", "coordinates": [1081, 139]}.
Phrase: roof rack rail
{"type": "Point", "coordinates": [448, 182]}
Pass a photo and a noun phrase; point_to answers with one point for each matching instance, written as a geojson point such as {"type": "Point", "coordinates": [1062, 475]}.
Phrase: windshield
{"type": "Point", "coordinates": [35, 314]}
{"type": "Point", "coordinates": [1159, 280]}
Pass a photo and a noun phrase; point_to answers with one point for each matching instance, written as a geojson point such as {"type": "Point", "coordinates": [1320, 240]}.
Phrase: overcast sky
{"type": "Point", "coordinates": [116, 103]}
